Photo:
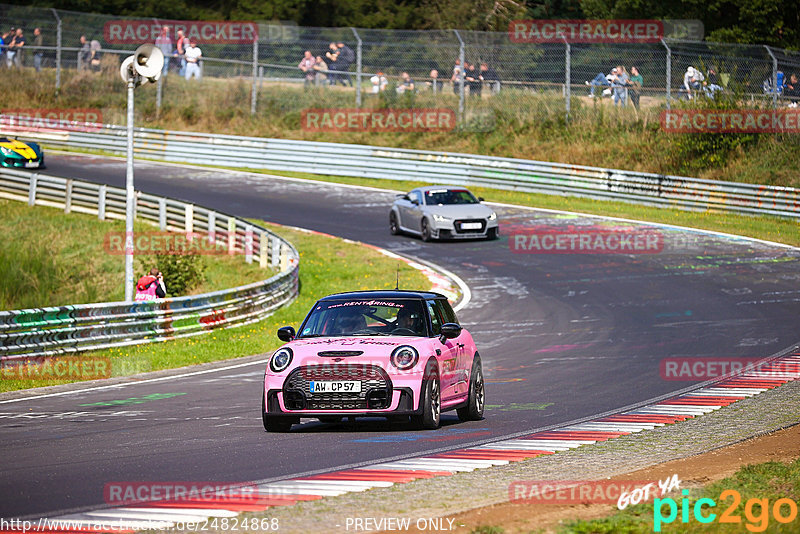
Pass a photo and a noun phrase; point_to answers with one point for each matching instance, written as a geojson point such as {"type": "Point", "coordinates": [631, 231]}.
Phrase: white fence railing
{"type": "Point", "coordinates": [77, 328]}
{"type": "Point", "coordinates": [440, 167]}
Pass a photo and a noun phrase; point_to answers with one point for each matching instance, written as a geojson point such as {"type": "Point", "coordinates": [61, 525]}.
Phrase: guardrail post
{"type": "Point", "coordinates": [460, 77]}
{"type": "Point", "coordinates": [188, 218]}
{"type": "Point", "coordinates": [275, 257]}
{"type": "Point", "coordinates": [162, 213]}
{"type": "Point", "coordinates": [68, 197]}
{"type": "Point", "coordinates": [567, 76]}
{"type": "Point", "coordinates": [32, 190]}
{"type": "Point", "coordinates": [254, 90]}
{"type": "Point", "coordinates": [669, 72]}
{"type": "Point", "coordinates": [774, 76]}
{"type": "Point", "coordinates": [248, 244]}
{"type": "Point", "coordinates": [358, 67]}
{"type": "Point", "coordinates": [158, 93]}
{"type": "Point", "coordinates": [212, 227]}
{"type": "Point", "coordinates": [263, 252]}
{"type": "Point", "coordinates": [231, 236]}
{"type": "Point", "coordinates": [58, 50]}
{"type": "Point", "coordinates": [101, 202]}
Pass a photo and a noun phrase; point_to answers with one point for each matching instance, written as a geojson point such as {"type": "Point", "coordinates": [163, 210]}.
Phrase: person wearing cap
{"type": "Point", "coordinates": [193, 56]}
{"type": "Point", "coordinates": [601, 79]}
{"type": "Point", "coordinates": [692, 80]}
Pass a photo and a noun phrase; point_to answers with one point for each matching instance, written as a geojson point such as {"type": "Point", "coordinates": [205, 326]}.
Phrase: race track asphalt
{"type": "Point", "coordinates": [562, 336]}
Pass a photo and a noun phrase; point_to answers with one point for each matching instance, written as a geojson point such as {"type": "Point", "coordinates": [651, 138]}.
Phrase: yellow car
{"type": "Point", "coordinates": [17, 154]}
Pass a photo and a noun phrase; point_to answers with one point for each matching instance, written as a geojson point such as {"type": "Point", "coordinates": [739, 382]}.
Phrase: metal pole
{"type": "Point", "coordinates": [460, 76]}
{"type": "Point", "coordinates": [669, 72]}
{"type": "Point", "coordinates": [358, 67]}
{"type": "Point", "coordinates": [254, 90]}
{"type": "Point", "coordinates": [774, 76]}
{"type": "Point", "coordinates": [567, 76]}
{"type": "Point", "coordinates": [158, 94]}
{"type": "Point", "coordinates": [129, 199]}
{"type": "Point", "coordinates": [58, 50]}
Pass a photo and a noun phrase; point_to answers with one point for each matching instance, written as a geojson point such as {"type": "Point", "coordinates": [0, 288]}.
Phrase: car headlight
{"type": "Point", "coordinates": [404, 357]}
{"type": "Point", "coordinates": [493, 216]}
{"type": "Point", "coordinates": [281, 359]}
{"type": "Point", "coordinates": [440, 218]}
{"type": "Point", "coordinates": [6, 151]}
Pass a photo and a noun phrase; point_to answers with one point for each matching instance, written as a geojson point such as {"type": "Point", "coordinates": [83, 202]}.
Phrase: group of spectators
{"type": "Point", "coordinates": [330, 69]}
{"type": "Point", "coordinates": [620, 85]}
{"type": "Point", "coordinates": [183, 55]}
{"type": "Point", "coordinates": [787, 88]}
{"type": "Point", "coordinates": [12, 48]}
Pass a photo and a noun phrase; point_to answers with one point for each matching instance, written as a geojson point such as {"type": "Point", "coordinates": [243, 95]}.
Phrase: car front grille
{"type": "Point", "coordinates": [460, 222]}
{"type": "Point", "coordinates": [375, 394]}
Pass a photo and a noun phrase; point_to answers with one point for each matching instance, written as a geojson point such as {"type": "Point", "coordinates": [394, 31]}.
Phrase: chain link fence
{"type": "Point", "coordinates": [529, 81]}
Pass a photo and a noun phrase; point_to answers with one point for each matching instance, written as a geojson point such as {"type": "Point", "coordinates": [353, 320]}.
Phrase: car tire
{"type": "Point", "coordinates": [476, 399]}
{"type": "Point", "coordinates": [491, 235]}
{"type": "Point", "coordinates": [273, 424]}
{"type": "Point", "coordinates": [394, 227]}
{"type": "Point", "coordinates": [426, 230]}
{"type": "Point", "coordinates": [431, 404]}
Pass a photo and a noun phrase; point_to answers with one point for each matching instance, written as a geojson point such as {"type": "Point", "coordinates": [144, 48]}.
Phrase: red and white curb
{"type": "Point", "coordinates": [167, 514]}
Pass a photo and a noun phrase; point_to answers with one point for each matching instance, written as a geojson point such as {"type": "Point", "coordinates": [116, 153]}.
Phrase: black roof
{"type": "Point", "coordinates": [385, 294]}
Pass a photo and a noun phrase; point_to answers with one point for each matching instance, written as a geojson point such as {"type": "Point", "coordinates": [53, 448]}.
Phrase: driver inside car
{"type": "Point", "coordinates": [407, 320]}
{"type": "Point", "coordinates": [350, 323]}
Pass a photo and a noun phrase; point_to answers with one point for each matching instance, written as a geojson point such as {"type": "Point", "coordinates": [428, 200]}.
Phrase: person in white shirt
{"type": "Point", "coordinates": [379, 83]}
{"type": "Point", "coordinates": [193, 56]}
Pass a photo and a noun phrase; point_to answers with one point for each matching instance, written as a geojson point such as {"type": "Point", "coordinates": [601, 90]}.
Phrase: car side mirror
{"type": "Point", "coordinates": [480, 199]}
{"type": "Point", "coordinates": [286, 333]}
{"type": "Point", "coordinates": [450, 331]}
{"type": "Point", "coordinates": [415, 201]}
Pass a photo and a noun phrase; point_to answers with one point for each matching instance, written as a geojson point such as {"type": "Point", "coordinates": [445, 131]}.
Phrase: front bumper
{"type": "Point", "coordinates": [459, 228]}
{"type": "Point", "coordinates": [12, 162]}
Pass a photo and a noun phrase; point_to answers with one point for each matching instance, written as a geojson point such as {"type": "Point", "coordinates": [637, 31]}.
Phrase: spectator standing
{"type": "Point", "coordinates": [636, 83]}
{"type": "Point", "coordinates": [306, 65]}
{"type": "Point", "coordinates": [791, 90]}
{"type": "Point", "coordinates": [406, 84]}
{"type": "Point", "coordinates": [193, 57]}
{"type": "Point", "coordinates": [180, 49]}
{"type": "Point", "coordinates": [333, 63]}
{"type": "Point", "coordinates": [38, 53]}
{"type": "Point", "coordinates": [320, 70]}
{"type": "Point", "coordinates": [85, 54]}
{"type": "Point", "coordinates": [435, 83]}
{"type": "Point", "coordinates": [347, 57]}
{"type": "Point", "coordinates": [619, 86]}
{"type": "Point", "coordinates": [5, 38]}
{"type": "Point", "coordinates": [94, 55]}
{"type": "Point", "coordinates": [15, 49]}
{"type": "Point", "coordinates": [456, 77]}
{"type": "Point", "coordinates": [164, 43]}
{"type": "Point", "coordinates": [151, 286]}
{"type": "Point", "coordinates": [472, 76]}
{"type": "Point", "coordinates": [488, 74]}
{"type": "Point", "coordinates": [379, 82]}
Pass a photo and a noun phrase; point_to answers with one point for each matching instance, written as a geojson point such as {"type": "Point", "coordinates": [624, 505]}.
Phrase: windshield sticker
{"type": "Point", "coordinates": [367, 303]}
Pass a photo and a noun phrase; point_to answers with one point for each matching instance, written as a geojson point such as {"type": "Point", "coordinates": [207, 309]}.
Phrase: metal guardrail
{"type": "Point", "coordinates": [440, 167]}
{"type": "Point", "coordinates": [77, 328]}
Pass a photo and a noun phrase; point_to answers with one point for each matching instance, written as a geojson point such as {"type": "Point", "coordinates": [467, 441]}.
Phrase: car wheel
{"type": "Point", "coordinates": [473, 411]}
{"type": "Point", "coordinates": [426, 231]}
{"type": "Point", "coordinates": [431, 402]}
{"type": "Point", "coordinates": [394, 228]}
{"type": "Point", "coordinates": [273, 424]}
{"type": "Point", "coordinates": [491, 234]}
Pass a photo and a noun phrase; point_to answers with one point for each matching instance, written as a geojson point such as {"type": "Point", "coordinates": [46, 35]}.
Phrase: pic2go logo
{"type": "Point", "coordinates": [756, 511]}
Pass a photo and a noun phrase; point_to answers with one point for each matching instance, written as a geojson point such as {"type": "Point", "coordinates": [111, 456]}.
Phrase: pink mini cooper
{"type": "Point", "coordinates": [396, 354]}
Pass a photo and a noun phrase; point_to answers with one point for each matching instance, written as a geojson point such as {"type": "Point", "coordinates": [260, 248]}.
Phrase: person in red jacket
{"type": "Point", "coordinates": [151, 286]}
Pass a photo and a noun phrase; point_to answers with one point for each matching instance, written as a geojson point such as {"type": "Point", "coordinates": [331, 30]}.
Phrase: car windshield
{"type": "Point", "coordinates": [449, 196]}
{"type": "Point", "coordinates": [365, 317]}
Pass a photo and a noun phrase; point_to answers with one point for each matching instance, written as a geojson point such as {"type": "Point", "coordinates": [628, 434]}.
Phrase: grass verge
{"type": "Point", "coordinates": [746, 500]}
{"type": "Point", "coordinates": [328, 265]}
{"type": "Point", "coordinates": [48, 258]}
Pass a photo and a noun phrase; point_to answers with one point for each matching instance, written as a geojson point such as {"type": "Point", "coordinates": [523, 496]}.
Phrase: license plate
{"type": "Point", "coordinates": [471, 226]}
{"type": "Point", "coordinates": [335, 386]}
{"type": "Point", "coordinates": [30, 164]}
